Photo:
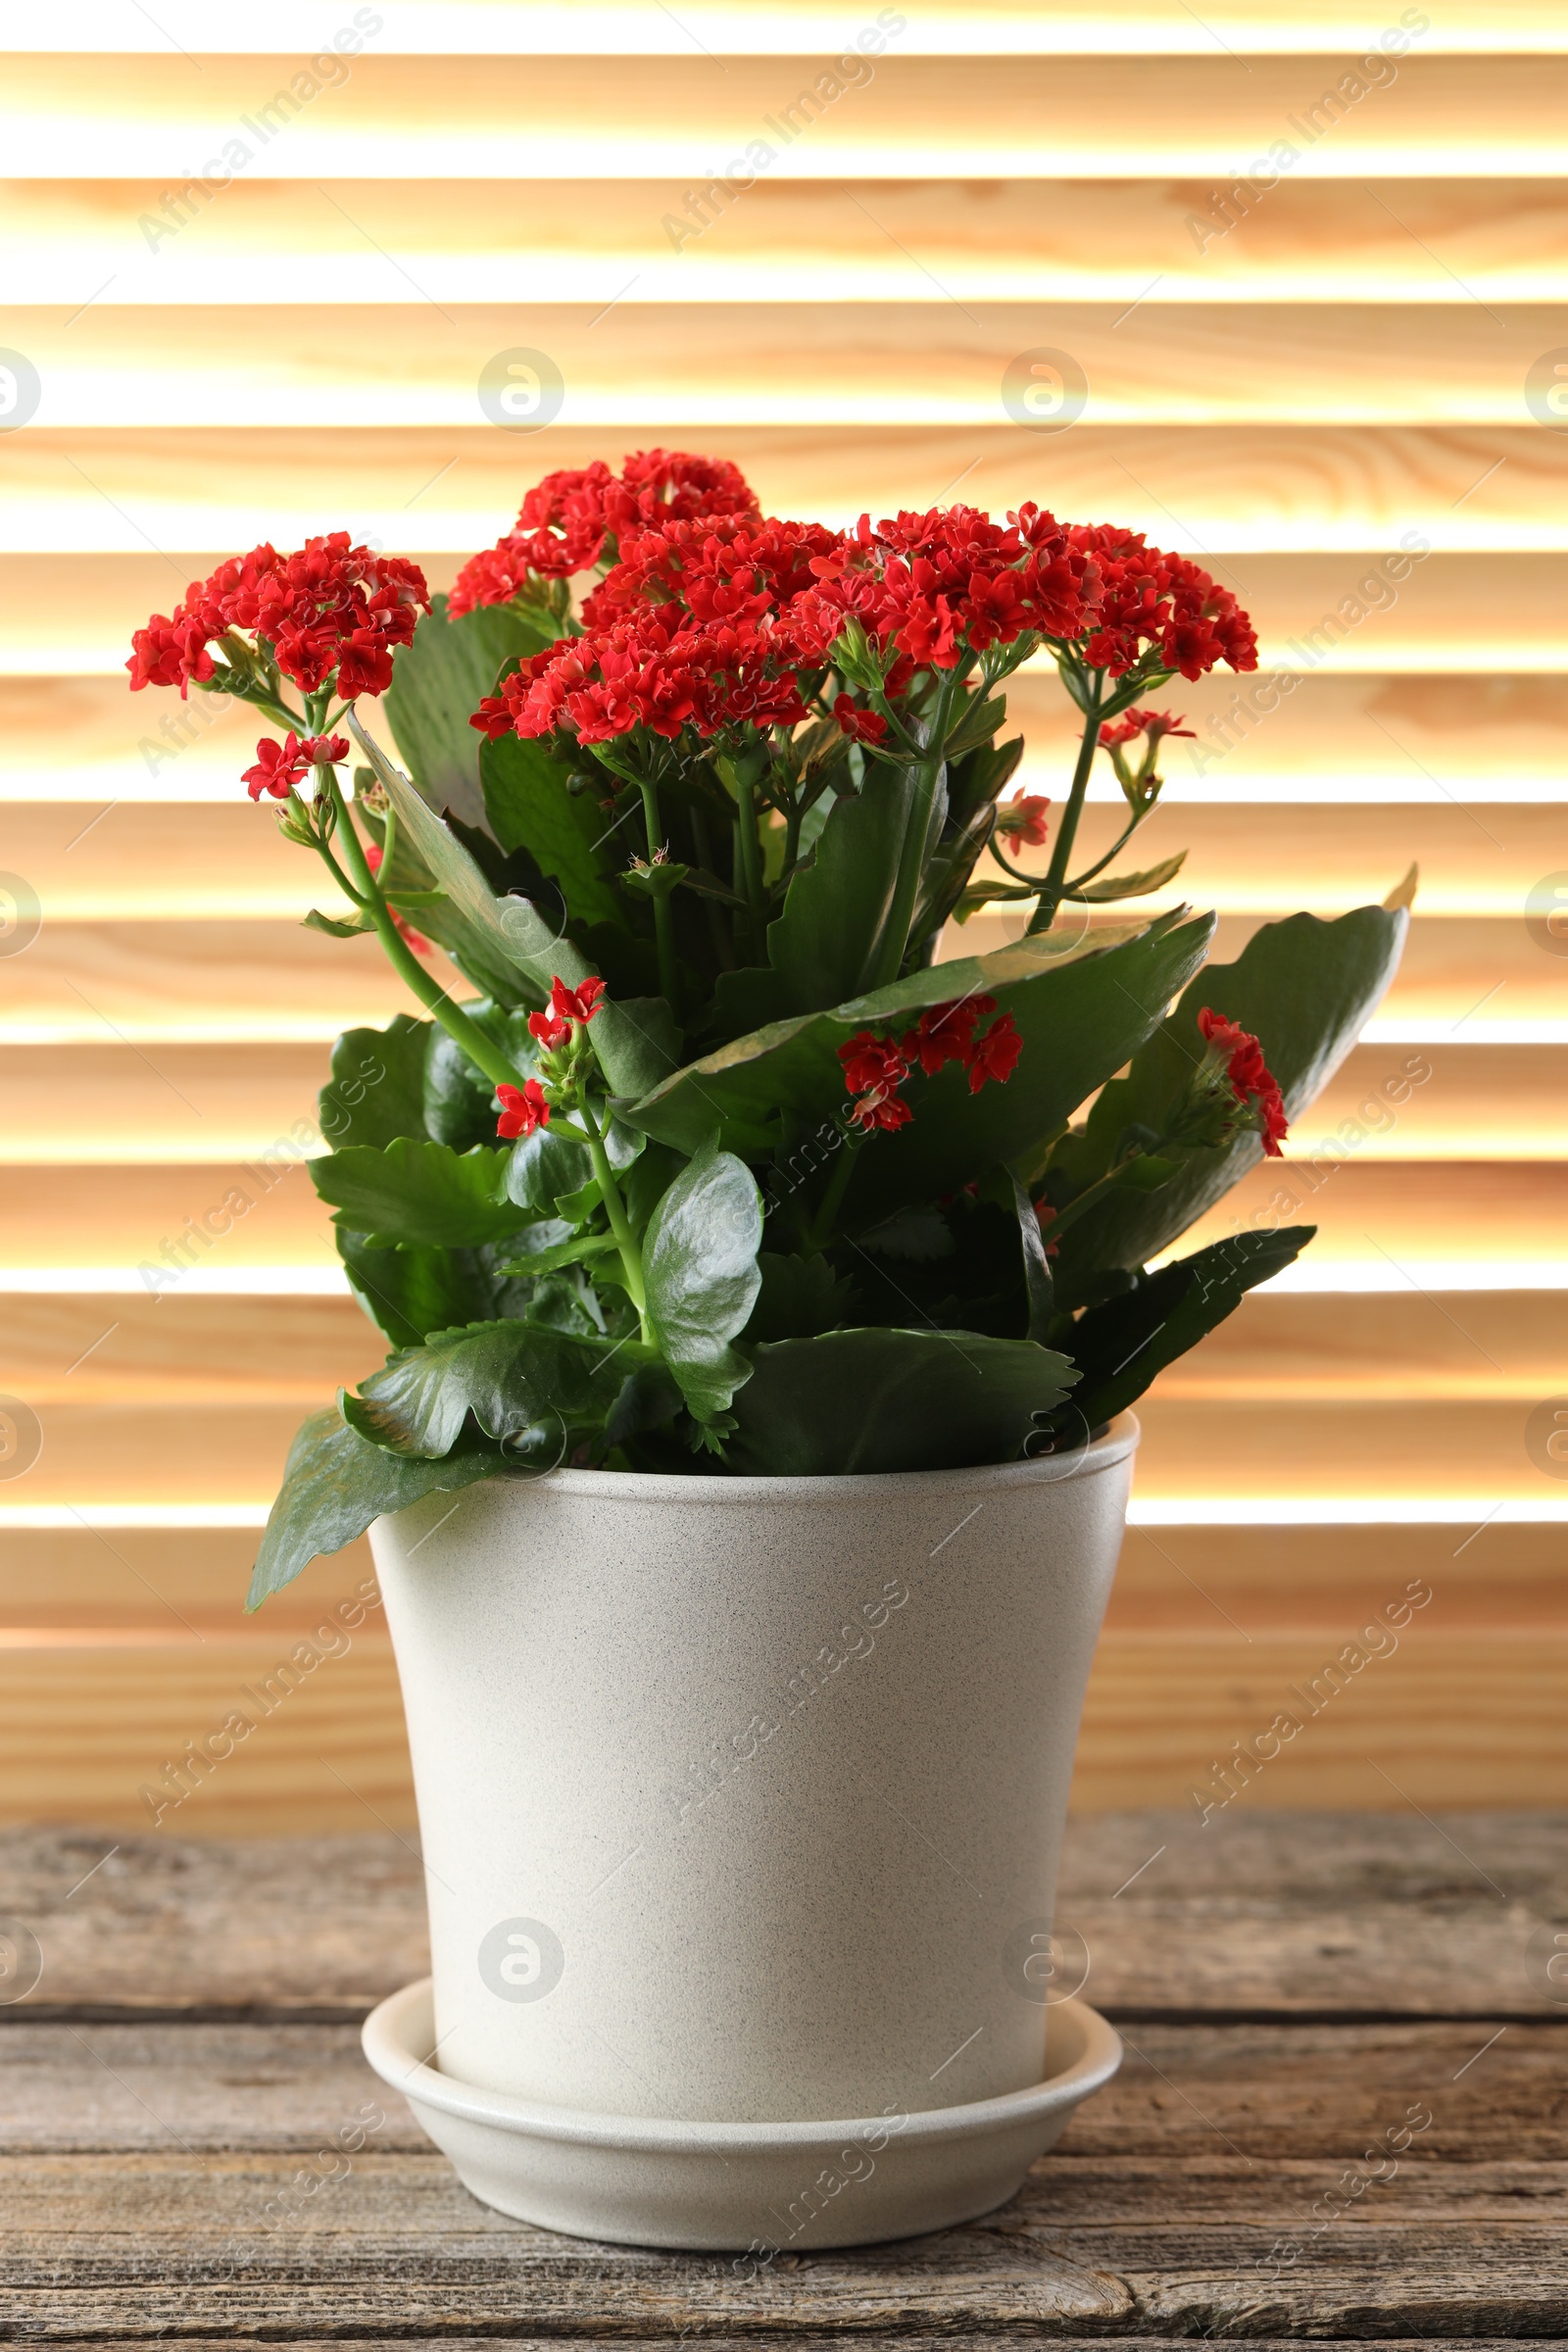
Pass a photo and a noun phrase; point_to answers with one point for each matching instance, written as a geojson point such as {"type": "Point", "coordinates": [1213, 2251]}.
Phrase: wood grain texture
{"type": "Point", "coordinates": [455, 487]}
{"type": "Point", "coordinates": [645, 368]}
{"type": "Point", "coordinates": [545, 118]}
{"type": "Point", "coordinates": [277, 240]}
{"type": "Point", "coordinates": [1303, 1914]}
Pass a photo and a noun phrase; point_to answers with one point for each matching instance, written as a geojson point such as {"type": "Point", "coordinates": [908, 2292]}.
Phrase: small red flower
{"type": "Point", "coordinates": [996, 1055]}
{"type": "Point", "coordinates": [861, 726]}
{"type": "Point", "coordinates": [1156, 725]}
{"type": "Point", "coordinates": [522, 1108]}
{"type": "Point", "coordinates": [578, 1003]}
{"type": "Point", "coordinates": [871, 1062]}
{"type": "Point", "coordinates": [324, 750]}
{"type": "Point", "coordinates": [880, 1110]}
{"type": "Point", "coordinates": [944, 1033]}
{"type": "Point", "coordinates": [1024, 816]}
{"type": "Point", "coordinates": [278, 767]}
{"type": "Point", "coordinates": [549, 1031]}
{"type": "Point", "coordinates": [1250, 1078]}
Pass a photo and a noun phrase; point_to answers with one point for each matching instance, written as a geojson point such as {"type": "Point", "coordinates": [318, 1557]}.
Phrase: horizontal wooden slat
{"type": "Point", "coordinates": [455, 489]}
{"type": "Point", "coordinates": [267, 982]}
{"type": "Point", "coordinates": [1353, 741]}
{"type": "Point", "coordinates": [109, 1104]}
{"type": "Point", "coordinates": [1473, 612]}
{"type": "Point", "coordinates": [645, 368]}
{"type": "Point", "coordinates": [1252, 1455]}
{"type": "Point", "coordinates": [549, 118]}
{"type": "Point", "coordinates": [265, 240]}
{"type": "Point", "coordinates": [81, 1218]}
{"type": "Point", "coordinates": [772, 28]}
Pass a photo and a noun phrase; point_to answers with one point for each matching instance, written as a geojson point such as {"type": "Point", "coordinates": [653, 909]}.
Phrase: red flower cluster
{"type": "Point", "coordinates": [861, 726]}
{"type": "Point", "coordinates": [522, 1109]}
{"type": "Point", "coordinates": [650, 672]}
{"type": "Point", "coordinates": [566, 520]}
{"type": "Point", "coordinates": [1143, 597]}
{"type": "Point", "coordinates": [928, 585]}
{"type": "Point", "coordinates": [876, 1067]}
{"type": "Point", "coordinates": [552, 1029]}
{"type": "Point", "coordinates": [279, 766]}
{"type": "Point", "coordinates": [1250, 1076]}
{"type": "Point", "coordinates": [1156, 725]}
{"type": "Point", "coordinates": [331, 606]}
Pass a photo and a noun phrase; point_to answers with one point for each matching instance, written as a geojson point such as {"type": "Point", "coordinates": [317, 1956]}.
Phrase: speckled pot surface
{"type": "Point", "coordinates": [740, 1799]}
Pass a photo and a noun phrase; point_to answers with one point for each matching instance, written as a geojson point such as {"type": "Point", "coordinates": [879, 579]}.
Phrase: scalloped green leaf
{"type": "Point", "coordinates": [415, 1192]}
{"type": "Point", "coordinates": [337, 1484]}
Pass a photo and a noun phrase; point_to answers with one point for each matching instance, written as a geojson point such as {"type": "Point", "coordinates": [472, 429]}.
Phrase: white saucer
{"type": "Point", "coordinates": [747, 2187]}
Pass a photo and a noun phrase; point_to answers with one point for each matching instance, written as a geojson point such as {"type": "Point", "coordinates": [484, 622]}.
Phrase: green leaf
{"type": "Point", "coordinates": [376, 1090]}
{"type": "Point", "coordinates": [826, 943]}
{"type": "Point", "coordinates": [438, 682]}
{"type": "Point", "coordinates": [637, 1043]}
{"type": "Point", "coordinates": [1038, 1282]}
{"type": "Point", "coordinates": [800, 1297]}
{"type": "Point", "coordinates": [336, 1486]}
{"type": "Point", "coordinates": [505, 944]}
{"type": "Point", "coordinates": [791, 1069]}
{"type": "Point", "coordinates": [1133, 886]}
{"type": "Point", "coordinates": [1304, 988]}
{"type": "Point", "coordinates": [352, 928]}
{"type": "Point", "coordinates": [580, 1246]}
{"type": "Point", "coordinates": [1120, 1347]}
{"type": "Point", "coordinates": [510, 1376]}
{"type": "Point", "coordinates": [861, 1402]}
{"type": "Point", "coordinates": [410, 1291]}
{"type": "Point", "coordinates": [530, 805]}
{"type": "Point", "coordinates": [418, 1192]}
{"type": "Point", "coordinates": [701, 1276]}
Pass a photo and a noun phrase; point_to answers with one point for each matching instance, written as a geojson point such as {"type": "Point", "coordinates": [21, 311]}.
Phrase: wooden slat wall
{"type": "Point", "coordinates": [1343, 371]}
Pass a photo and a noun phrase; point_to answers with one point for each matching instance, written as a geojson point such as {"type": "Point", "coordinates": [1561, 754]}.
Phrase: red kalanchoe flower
{"type": "Point", "coordinates": [870, 1061]}
{"type": "Point", "coordinates": [331, 607]}
{"type": "Point", "coordinates": [1156, 725]}
{"type": "Point", "coordinates": [1250, 1079]}
{"type": "Point", "coordinates": [549, 1030]}
{"type": "Point", "coordinates": [944, 1032]}
{"type": "Point", "coordinates": [373, 854]}
{"type": "Point", "coordinates": [880, 1110]}
{"type": "Point", "coordinates": [578, 1003]}
{"type": "Point", "coordinates": [1145, 599]}
{"type": "Point", "coordinates": [278, 768]}
{"type": "Point", "coordinates": [522, 1109]}
{"type": "Point", "coordinates": [996, 1055]}
{"type": "Point", "coordinates": [1025, 818]}
{"type": "Point", "coordinates": [861, 727]}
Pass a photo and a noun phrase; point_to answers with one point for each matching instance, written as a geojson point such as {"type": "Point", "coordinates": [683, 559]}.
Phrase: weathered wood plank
{"type": "Point", "coordinates": [1301, 1913]}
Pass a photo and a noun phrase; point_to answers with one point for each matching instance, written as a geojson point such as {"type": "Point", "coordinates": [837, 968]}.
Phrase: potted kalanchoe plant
{"type": "Point", "coordinates": [748, 1470]}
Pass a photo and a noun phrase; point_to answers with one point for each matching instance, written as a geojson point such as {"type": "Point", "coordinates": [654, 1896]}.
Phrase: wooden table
{"type": "Point", "coordinates": [188, 2149]}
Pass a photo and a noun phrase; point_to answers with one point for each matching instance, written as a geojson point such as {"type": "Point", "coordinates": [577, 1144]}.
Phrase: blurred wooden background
{"type": "Point", "coordinates": [1293, 385]}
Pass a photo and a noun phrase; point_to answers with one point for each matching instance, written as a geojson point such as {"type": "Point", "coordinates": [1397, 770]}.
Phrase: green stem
{"type": "Point", "coordinates": [820, 1232]}
{"type": "Point", "coordinates": [631, 1257]}
{"type": "Point", "coordinates": [750, 857]}
{"type": "Point", "coordinates": [1117, 846]}
{"type": "Point", "coordinates": [912, 856]}
{"type": "Point", "coordinates": [663, 920]}
{"type": "Point", "coordinates": [1051, 896]}
{"type": "Point", "coordinates": [432, 996]}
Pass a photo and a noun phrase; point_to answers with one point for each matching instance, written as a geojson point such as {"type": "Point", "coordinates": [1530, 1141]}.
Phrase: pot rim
{"type": "Point", "coordinates": [1101, 1453]}
{"type": "Point", "coordinates": [398, 2025]}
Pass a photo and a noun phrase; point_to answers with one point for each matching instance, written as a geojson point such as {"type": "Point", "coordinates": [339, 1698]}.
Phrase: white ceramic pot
{"type": "Point", "coordinates": [740, 1799]}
